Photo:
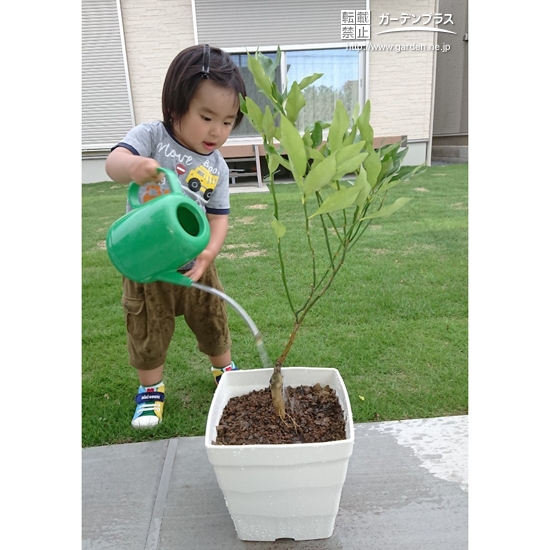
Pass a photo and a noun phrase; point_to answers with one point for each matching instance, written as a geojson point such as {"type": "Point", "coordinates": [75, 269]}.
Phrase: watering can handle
{"type": "Point", "coordinates": [133, 189]}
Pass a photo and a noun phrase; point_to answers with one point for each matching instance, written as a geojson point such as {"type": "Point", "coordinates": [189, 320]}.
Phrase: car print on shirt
{"type": "Point", "coordinates": [201, 179]}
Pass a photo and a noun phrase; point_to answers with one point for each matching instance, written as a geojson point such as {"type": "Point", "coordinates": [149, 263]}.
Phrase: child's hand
{"type": "Point", "coordinates": [144, 170]}
{"type": "Point", "coordinates": [123, 166]}
{"type": "Point", "coordinates": [202, 261]}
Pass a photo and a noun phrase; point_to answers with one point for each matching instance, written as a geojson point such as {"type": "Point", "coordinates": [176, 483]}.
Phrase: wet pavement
{"type": "Point", "coordinates": [406, 488]}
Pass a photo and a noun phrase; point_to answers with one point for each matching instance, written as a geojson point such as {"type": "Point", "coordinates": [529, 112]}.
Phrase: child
{"type": "Point", "coordinates": [200, 107]}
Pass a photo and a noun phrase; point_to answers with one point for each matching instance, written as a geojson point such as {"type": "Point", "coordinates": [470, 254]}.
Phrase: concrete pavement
{"type": "Point", "coordinates": [406, 488]}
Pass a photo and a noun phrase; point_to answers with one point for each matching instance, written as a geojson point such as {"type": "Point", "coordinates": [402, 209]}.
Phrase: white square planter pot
{"type": "Point", "coordinates": [280, 491]}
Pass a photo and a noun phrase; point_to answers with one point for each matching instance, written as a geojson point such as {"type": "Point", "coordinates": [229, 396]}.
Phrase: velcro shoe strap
{"type": "Point", "coordinates": [148, 397]}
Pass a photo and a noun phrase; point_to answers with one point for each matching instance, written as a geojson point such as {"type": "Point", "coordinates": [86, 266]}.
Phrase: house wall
{"type": "Point", "coordinates": [401, 83]}
{"type": "Point", "coordinates": [154, 32]}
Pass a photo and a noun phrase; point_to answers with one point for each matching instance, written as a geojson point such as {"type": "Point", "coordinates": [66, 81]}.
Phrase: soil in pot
{"type": "Point", "coordinates": [313, 415]}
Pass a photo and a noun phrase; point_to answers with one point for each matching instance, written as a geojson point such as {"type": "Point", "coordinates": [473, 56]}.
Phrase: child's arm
{"type": "Point", "coordinates": [218, 231]}
{"type": "Point", "coordinates": [123, 166]}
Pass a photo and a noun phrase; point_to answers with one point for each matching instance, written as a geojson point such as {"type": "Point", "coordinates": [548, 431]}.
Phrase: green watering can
{"type": "Point", "coordinates": [156, 238]}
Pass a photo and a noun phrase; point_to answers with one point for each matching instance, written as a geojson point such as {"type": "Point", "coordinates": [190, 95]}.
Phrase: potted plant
{"type": "Point", "coordinates": [293, 490]}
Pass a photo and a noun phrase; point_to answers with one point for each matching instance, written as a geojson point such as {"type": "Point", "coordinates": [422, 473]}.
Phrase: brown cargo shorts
{"type": "Point", "coordinates": [150, 311]}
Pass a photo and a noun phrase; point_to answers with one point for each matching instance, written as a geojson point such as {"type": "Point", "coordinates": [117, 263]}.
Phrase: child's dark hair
{"type": "Point", "coordinates": [186, 72]}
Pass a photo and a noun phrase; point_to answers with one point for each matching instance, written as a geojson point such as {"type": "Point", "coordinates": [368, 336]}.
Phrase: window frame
{"type": "Point", "coordinates": [362, 60]}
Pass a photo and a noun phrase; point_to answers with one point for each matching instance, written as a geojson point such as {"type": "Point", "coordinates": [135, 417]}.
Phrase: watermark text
{"type": "Point", "coordinates": [397, 48]}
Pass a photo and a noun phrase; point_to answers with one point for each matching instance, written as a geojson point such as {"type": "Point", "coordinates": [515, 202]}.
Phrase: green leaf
{"type": "Point", "coordinates": [388, 184]}
{"type": "Point", "coordinates": [388, 209]}
{"type": "Point", "coordinates": [317, 135]}
{"type": "Point", "coordinates": [320, 175]}
{"type": "Point", "coordinates": [349, 158]}
{"type": "Point", "coordinates": [295, 149]}
{"type": "Point", "coordinates": [309, 80]}
{"type": "Point", "coordinates": [279, 228]}
{"type": "Point", "coordinates": [364, 188]}
{"type": "Point", "coordinates": [242, 103]}
{"type": "Point", "coordinates": [406, 172]}
{"type": "Point", "coordinates": [295, 102]}
{"type": "Point", "coordinates": [268, 124]}
{"type": "Point", "coordinates": [254, 114]}
{"type": "Point", "coordinates": [270, 149]}
{"type": "Point", "coordinates": [275, 159]}
{"type": "Point", "coordinates": [350, 166]}
{"type": "Point", "coordinates": [350, 138]}
{"type": "Point", "coordinates": [389, 151]}
{"type": "Point", "coordinates": [272, 163]}
{"type": "Point", "coordinates": [365, 129]}
{"type": "Point", "coordinates": [386, 168]}
{"type": "Point", "coordinates": [276, 96]}
{"type": "Point", "coordinates": [260, 78]}
{"type": "Point", "coordinates": [314, 154]}
{"type": "Point", "coordinates": [338, 127]}
{"type": "Point", "coordinates": [355, 112]}
{"type": "Point", "coordinates": [339, 200]}
{"type": "Point", "coordinates": [269, 66]}
{"type": "Point", "coordinates": [350, 151]}
{"type": "Point", "coordinates": [372, 165]}
{"type": "Point", "coordinates": [324, 124]}
{"type": "Point", "coordinates": [401, 155]}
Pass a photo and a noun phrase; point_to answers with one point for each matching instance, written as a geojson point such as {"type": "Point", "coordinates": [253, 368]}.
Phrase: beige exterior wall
{"type": "Point", "coordinates": [400, 84]}
{"type": "Point", "coordinates": [154, 33]}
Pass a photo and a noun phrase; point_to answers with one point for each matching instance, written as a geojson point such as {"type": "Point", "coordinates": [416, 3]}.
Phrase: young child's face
{"type": "Point", "coordinates": [209, 120]}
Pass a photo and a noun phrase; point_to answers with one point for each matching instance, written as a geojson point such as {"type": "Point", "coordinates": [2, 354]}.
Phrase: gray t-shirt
{"type": "Point", "coordinates": [204, 178]}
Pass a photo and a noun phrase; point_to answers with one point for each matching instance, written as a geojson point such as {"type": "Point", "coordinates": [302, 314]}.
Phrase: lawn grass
{"type": "Point", "coordinates": [394, 323]}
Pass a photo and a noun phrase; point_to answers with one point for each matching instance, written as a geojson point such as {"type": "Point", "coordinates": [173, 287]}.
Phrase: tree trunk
{"type": "Point", "coordinates": [276, 380]}
{"type": "Point", "coordinates": [276, 387]}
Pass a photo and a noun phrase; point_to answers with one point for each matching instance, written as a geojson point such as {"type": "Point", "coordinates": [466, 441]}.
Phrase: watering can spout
{"type": "Point", "coordinates": [175, 278]}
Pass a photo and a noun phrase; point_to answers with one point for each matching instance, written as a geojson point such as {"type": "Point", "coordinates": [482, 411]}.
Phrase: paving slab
{"type": "Point", "coordinates": [406, 488]}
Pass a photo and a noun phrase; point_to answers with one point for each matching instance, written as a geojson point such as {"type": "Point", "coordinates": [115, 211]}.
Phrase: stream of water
{"type": "Point", "coordinates": [264, 358]}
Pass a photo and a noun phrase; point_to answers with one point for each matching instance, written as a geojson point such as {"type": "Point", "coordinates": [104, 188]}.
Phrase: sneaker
{"type": "Point", "coordinates": [218, 371]}
{"type": "Point", "coordinates": [150, 403]}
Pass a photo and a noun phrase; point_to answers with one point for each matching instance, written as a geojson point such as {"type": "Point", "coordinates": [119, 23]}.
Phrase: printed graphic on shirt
{"type": "Point", "coordinates": [201, 180]}
{"type": "Point", "coordinates": [154, 190]}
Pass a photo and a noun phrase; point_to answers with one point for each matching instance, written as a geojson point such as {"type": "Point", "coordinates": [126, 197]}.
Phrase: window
{"type": "Point", "coordinates": [340, 80]}
{"type": "Point", "coordinates": [241, 60]}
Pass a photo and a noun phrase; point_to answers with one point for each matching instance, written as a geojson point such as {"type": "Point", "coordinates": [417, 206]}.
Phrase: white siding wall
{"type": "Point", "coordinates": [400, 84]}
{"type": "Point", "coordinates": [154, 32]}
